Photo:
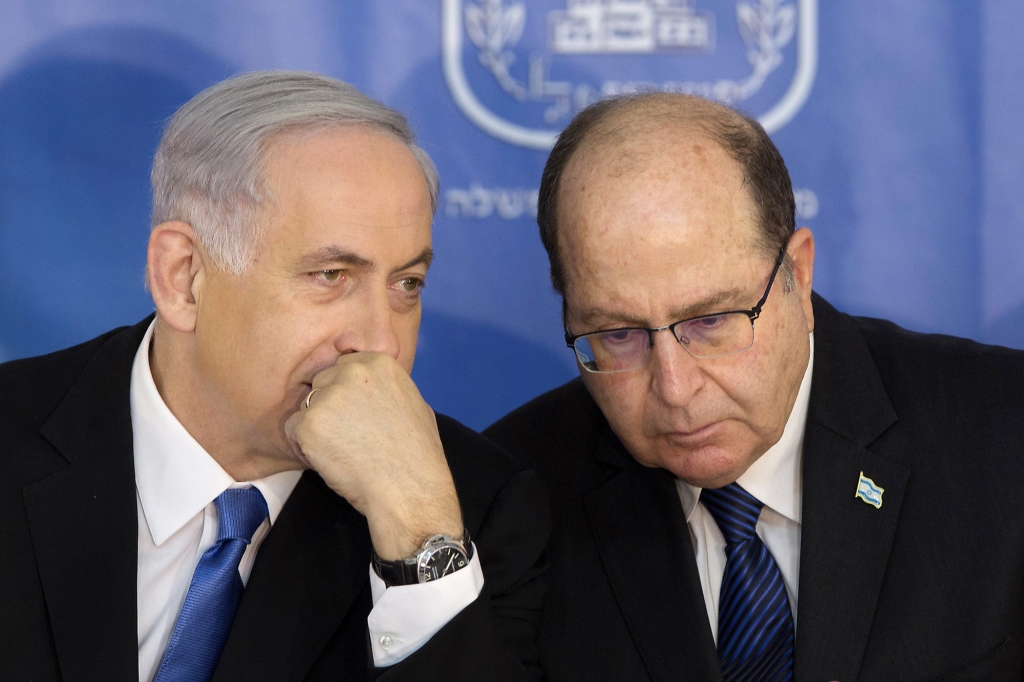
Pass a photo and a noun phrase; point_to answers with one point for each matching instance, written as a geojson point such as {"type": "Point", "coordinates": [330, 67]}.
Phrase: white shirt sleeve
{"type": "Point", "coordinates": [404, 617]}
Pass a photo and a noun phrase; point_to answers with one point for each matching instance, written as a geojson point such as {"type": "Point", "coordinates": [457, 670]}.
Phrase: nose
{"type": "Point", "coordinates": [370, 327]}
{"type": "Point", "coordinates": [675, 374]}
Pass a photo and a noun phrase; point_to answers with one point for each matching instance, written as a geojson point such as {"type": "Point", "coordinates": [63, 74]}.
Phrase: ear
{"type": "Point", "coordinates": [801, 252]}
{"type": "Point", "coordinates": [176, 264]}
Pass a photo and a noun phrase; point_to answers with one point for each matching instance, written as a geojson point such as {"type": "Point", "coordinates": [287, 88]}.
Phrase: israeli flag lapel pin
{"type": "Point", "coordinates": [869, 492]}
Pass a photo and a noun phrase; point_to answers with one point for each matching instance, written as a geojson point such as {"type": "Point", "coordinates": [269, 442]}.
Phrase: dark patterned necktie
{"type": "Point", "coordinates": [216, 589]}
{"type": "Point", "coordinates": [755, 623]}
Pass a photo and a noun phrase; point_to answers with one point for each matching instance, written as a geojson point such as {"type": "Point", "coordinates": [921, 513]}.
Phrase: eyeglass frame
{"type": "Point", "coordinates": [752, 313]}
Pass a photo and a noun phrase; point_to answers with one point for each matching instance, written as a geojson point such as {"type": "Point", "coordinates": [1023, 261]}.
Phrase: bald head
{"type": "Point", "coordinates": [624, 135]}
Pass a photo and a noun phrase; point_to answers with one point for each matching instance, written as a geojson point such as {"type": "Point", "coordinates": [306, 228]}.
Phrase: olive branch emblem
{"type": "Point", "coordinates": [766, 30]}
{"type": "Point", "coordinates": [492, 26]}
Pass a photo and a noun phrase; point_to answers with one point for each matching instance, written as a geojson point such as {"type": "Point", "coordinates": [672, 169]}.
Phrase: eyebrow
{"type": "Point", "coordinates": [425, 257]}
{"type": "Point", "coordinates": [709, 304]}
{"type": "Point", "coordinates": [333, 255]}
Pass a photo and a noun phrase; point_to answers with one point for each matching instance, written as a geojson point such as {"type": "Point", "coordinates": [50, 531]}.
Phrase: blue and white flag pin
{"type": "Point", "coordinates": [869, 492]}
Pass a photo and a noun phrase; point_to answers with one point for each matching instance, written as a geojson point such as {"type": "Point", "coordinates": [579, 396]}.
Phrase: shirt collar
{"type": "Point", "coordinates": [175, 477]}
{"type": "Point", "coordinates": [775, 478]}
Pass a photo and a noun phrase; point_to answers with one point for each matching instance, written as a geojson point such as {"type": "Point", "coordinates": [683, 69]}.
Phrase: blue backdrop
{"type": "Point", "coordinates": [900, 122]}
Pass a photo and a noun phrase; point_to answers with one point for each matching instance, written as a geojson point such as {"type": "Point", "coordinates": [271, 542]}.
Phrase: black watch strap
{"type": "Point", "coordinates": [395, 572]}
{"type": "Point", "coordinates": [406, 571]}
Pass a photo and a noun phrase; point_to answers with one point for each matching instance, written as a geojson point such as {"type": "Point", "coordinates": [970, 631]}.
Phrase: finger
{"type": "Point", "coordinates": [290, 427]}
{"type": "Point", "coordinates": [359, 357]}
{"type": "Point", "coordinates": [325, 378]}
{"type": "Point", "coordinates": [374, 361]}
{"type": "Point", "coordinates": [334, 374]}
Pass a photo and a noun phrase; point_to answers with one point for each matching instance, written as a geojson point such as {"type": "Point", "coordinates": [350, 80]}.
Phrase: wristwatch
{"type": "Point", "coordinates": [439, 556]}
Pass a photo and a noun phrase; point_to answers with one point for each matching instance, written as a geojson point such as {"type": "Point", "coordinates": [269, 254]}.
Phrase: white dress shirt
{"type": "Point", "coordinates": [775, 479]}
{"type": "Point", "coordinates": [176, 483]}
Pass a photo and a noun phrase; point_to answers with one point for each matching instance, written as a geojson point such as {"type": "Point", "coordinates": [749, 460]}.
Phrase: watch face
{"type": "Point", "coordinates": [441, 561]}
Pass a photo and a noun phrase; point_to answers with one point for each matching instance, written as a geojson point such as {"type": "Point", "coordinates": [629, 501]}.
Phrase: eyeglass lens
{"type": "Point", "coordinates": [617, 350]}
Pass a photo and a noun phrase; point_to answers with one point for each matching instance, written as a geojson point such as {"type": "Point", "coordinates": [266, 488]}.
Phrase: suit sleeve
{"type": "Point", "coordinates": [496, 636]}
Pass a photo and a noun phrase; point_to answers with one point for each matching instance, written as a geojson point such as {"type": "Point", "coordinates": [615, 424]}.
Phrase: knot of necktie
{"type": "Point", "coordinates": [735, 511]}
{"type": "Point", "coordinates": [240, 511]}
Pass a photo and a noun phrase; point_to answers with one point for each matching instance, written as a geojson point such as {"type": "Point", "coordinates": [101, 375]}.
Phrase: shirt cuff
{"type": "Point", "coordinates": [404, 617]}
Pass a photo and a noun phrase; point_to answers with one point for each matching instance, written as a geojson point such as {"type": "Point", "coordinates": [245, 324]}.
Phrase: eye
{"type": "Point", "coordinates": [711, 321]}
{"type": "Point", "coordinates": [622, 336]}
{"type": "Point", "coordinates": [410, 285]}
{"type": "Point", "coordinates": [329, 276]}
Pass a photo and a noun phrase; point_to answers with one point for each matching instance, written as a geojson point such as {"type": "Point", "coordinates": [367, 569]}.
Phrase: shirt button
{"type": "Point", "coordinates": [386, 642]}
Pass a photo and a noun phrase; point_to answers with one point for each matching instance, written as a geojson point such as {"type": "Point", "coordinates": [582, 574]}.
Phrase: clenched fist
{"type": "Point", "coordinates": [373, 439]}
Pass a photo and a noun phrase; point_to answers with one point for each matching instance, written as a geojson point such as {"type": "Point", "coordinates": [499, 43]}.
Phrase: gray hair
{"type": "Point", "coordinates": [209, 169]}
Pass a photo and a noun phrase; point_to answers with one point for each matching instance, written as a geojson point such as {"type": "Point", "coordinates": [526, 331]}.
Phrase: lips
{"type": "Point", "coordinates": [695, 437]}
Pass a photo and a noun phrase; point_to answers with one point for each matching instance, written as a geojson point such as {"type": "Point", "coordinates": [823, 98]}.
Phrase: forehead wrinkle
{"type": "Point", "coordinates": [706, 305]}
{"type": "Point", "coordinates": [591, 315]}
{"type": "Point", "coordinates": [711, 303]}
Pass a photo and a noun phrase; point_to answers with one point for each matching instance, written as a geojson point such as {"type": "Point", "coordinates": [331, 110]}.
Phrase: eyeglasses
{"type": "Point", "coordinates": [704, 336]}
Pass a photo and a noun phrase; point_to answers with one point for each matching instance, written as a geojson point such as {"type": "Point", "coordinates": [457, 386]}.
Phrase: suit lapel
{"type": "Point", "coordinates": [845, 542]}
{"type": "Point", "coordinates": [84, 523]}
{"type": "Point", "coordinates": [311, 571]}
{"type": "Point", "coordinates": [643, 541]}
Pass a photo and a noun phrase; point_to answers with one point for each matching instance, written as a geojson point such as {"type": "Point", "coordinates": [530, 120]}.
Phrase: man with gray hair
{"type": "Point", "coordinates": [249, 485]}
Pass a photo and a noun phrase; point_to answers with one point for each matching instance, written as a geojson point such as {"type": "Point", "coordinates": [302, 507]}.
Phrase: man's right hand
{"type": "Point", "coordinates": [373, 439]}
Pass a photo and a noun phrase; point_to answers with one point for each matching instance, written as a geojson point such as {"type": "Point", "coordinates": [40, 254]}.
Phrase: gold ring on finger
{"type": "Point", "coordinates": [310, 396]}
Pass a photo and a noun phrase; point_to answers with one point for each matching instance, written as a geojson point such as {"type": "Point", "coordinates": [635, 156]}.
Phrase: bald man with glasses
{"type": "Point", "coordinates": [746, 483]}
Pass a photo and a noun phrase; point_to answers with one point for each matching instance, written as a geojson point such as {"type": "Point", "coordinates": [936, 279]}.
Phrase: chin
{"type": "Point", "coordinates": [710, 466]}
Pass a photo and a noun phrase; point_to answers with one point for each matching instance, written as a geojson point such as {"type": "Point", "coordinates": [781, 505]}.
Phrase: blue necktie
{"type": "Point", "coordinates": [216, 589]}
{"type": "Point", "coordinates": [755, 623]}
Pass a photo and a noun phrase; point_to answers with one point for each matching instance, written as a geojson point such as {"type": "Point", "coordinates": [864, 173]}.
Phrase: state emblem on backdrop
{"type": "Point", "coordinates": [520, 70]}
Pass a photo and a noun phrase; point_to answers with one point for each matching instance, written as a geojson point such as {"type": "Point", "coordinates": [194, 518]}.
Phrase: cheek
{"type": "Point", "coordinates": [765, 382]}
{"type": "Point", "coordinates": [746, 380]}
{"type": "Point", "coordinates": [235, 350]}
{"type": "Point", "coordinates": [407, 328]}
{"type": "Point", "coordinates": [253, 346]}
{"type": "Point", "coordinates": [621, 398]}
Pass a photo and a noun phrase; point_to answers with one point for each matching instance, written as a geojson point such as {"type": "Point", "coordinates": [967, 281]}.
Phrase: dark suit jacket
{"type": "Point", "coordinates": [929, 586]}
{"type": "Point", "coordinates": [68, 548]}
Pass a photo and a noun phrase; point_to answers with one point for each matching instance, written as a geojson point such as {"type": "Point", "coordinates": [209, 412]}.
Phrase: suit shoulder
{"type": "Point", "coordinates": [563, 418]}
{"type": "Point", "coordinates": [479, 466]}
{"type": "Point", "coordinates": [463, 443]}
{"type": "Point", "coordinates": [937, 354]}
{"type": "Point", "coordinates": [31, 388]}
{"type": "Point", "coordinates": [949, 371]}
